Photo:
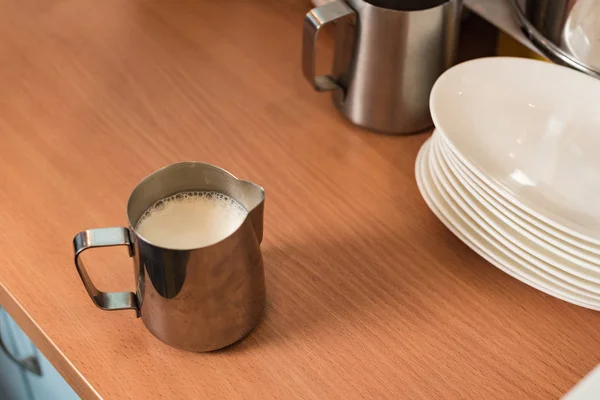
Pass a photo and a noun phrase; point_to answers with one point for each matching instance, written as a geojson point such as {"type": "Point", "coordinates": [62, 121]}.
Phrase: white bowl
{"type": "Point", "coordinates": [530, 130]}
{"type": "Point", "coordinates": [535, 252]}
{"type": "Point", "coordinates": [466, 234]}
{"type": "Point", "coordinates": [496, 234]}
{"type": "Point", "coordinates": [512, 215]}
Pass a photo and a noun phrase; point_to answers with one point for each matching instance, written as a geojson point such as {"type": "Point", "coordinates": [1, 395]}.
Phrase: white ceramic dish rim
{"type": "Point", "coordinates": [466, 209]}
{"type": "Point", "coordinates": [526, 222]}
{"type": "Point", "coordinates": [499, 262]}
{"type": "Point", "coordinates": [535, 248]}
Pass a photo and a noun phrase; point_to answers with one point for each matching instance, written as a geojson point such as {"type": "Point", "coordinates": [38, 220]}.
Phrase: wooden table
{"type": "Point", "coordinates": [369, 296]}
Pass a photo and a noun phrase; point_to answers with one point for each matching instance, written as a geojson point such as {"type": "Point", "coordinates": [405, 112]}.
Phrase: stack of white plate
{"type": "Point", "coordinates": [513, 170]}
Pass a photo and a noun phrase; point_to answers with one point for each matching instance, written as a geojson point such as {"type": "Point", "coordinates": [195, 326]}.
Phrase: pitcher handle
{"type": "Point", "coordinates": [104, 237]}
{"type": "Point", "coordinates": [313, 22]}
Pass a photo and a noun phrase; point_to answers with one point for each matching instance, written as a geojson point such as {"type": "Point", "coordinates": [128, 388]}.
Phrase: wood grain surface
{"type": "Point", "coordinates": [369, 296]}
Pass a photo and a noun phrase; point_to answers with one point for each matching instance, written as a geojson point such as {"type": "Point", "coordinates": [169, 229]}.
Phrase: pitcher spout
{"type": "Point", "coordinates": [254, 199]}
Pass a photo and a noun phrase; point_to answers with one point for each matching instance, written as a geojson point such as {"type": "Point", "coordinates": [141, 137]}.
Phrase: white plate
{"type": "Point", "coordinates": [530, 130]}
{"type": "Point", "coordinates": [456, 225]}
{"type": "Point", "coordinates": [501, 208]}
{"type": "Point", "coordinates": [474, 216]}
{"type": "Point", "coordinates": [530, 247]}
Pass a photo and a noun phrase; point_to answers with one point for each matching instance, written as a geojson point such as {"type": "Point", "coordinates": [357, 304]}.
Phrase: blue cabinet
{"type": "Point", "coordinates": [50, 385]}
{"type": "Point", "coordinates": [12, 377]}
{"type": "Point", "coordinates": [19, 383]}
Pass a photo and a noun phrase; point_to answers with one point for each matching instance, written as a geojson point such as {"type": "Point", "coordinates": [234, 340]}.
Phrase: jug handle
{"type": "Point", "coordinates": [104, 237]}
{"type": "Point", "coordinates": [313, 22]}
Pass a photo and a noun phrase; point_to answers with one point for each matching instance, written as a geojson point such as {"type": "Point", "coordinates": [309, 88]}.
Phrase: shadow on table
{"type": "Point", "coordinates": [407, 280]}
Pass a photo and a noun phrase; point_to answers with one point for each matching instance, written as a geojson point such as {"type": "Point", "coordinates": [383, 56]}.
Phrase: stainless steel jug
{"type": "Point", "coordinates": [388, 54]}
{"type": "Point", "coordinates": [565, 31]}
{"type": "Point", "coordinates": [201, 299]}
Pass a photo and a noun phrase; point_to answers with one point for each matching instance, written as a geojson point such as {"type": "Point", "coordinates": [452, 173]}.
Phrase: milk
{"type": "Point", "coordinates": [190, 220]}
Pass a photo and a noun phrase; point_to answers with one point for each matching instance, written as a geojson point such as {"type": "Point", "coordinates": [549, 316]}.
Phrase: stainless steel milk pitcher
{"type": "Point", "coordinates": [201, 299]}
{"type": "Point", "coordinates": [388, 54]}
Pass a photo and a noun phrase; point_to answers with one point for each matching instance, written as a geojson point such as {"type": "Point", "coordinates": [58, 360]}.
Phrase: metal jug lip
{"type": "Point", "coordinates": [192, 164]}
{"type": "Point", "coordinates": [551, 49]}
{"type": "Point", "coordinates": [407, 5]}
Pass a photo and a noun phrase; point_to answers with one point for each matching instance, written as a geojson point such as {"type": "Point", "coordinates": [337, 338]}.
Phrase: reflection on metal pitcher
{"type": "Point", "coordinates": [197, 299]}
